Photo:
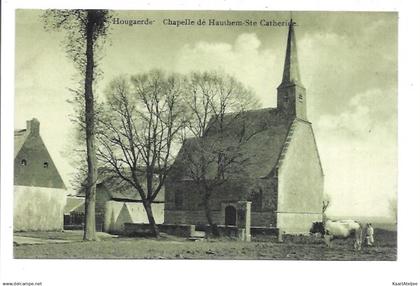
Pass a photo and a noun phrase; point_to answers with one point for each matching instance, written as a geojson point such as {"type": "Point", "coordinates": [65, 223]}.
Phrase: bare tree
{"type": "Point", "coordinates": [86, 31]}
{"type": "Point", "coordinates": [142, 119]}
{"type": "Point", "coordinates": [215, 102]}
{"type": "Point", "coordinates": [326, 200]}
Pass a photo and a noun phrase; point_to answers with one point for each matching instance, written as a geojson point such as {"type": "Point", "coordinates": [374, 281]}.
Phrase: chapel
{"type": "Point", "coordinates": [281, 176]}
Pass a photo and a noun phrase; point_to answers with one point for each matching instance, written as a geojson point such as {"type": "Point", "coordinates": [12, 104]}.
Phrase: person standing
{"type": "Point", "coordinates": [369, 234]}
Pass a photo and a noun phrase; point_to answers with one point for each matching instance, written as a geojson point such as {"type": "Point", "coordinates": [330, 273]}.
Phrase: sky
{"type": "Point", "coordinates": [348, 64]}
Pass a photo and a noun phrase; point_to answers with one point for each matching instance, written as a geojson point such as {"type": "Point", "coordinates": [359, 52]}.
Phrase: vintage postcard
{"type": "Point", "coordinates": [206, 135]}
{"type": "Point", "coordinates": [249, 128]}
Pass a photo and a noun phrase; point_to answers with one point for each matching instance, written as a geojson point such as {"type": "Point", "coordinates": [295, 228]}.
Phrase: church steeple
{"type": "Point", "coordinates": [291, 67]}
{"type": "Point", "coordinates": [291, 94]}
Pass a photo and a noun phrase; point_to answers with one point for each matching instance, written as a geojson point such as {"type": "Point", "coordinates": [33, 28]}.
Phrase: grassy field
{"type": "Point", "coordinates": [293, 248]}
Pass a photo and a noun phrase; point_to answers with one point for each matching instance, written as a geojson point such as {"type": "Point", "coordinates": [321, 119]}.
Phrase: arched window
{"type": "Point", "coordinates": [23, 162]}
{"type": "Point", "coordinates": [230, 215]}
{"type": "Point", "coordinates": [45, 164]}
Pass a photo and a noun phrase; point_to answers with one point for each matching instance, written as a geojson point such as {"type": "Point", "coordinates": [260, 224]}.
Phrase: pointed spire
{"type": "Point", "coordinates": [291, 73]}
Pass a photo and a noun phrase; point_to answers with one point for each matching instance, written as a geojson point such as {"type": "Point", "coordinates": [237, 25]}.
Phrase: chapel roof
{"type": "Point", "coordinates": [265, 132]}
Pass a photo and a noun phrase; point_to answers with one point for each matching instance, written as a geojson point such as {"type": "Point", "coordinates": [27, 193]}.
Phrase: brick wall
{"type": "Point", "coordinates": [191, 210]}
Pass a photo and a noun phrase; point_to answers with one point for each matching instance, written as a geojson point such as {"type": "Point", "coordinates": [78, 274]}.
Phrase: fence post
{"type": "Point", "coordinates": [244, 220]}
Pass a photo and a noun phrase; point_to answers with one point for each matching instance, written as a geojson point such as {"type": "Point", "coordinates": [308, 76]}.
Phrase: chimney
{"type": "Point", "coordinates": [32, 126]}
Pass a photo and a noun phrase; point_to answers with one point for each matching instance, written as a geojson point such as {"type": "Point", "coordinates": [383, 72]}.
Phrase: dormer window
{"type": "Point", "coordinates": [45, 164]}
{"type": "Point", "coordinates": [23, 162]}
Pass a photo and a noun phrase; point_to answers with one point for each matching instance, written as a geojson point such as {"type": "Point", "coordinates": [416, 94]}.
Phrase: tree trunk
{"type": "Point", "coordinates": [153, 226]}
{"type": "Point", "coordinates": [90, 223]}
{"type": "Point", "coordinates": [213, 227]}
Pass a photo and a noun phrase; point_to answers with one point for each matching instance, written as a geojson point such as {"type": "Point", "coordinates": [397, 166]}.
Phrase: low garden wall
{"type": "Point", "coordinates": [224, 230]}
{"type": "Point", "coordinates": [270, 233]}
{"type": "Point", "coordinates": [143, 229]}
{"type": "Point", "coordinates": [188, 230]}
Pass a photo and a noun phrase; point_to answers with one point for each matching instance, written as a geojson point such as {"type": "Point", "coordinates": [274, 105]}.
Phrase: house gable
{"type": "Point", "coordinates": [33, 164]}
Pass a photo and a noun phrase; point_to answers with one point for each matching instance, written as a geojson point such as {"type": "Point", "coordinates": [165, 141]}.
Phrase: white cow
{"type": "Point", "coordinates": [333, 229]}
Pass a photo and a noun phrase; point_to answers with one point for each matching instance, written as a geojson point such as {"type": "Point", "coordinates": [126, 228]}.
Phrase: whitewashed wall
{"type": "Point", "coordinates": [38, 209]}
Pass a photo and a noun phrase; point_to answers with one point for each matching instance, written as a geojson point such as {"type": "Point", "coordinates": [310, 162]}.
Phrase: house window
{"type": "Point", "coordinates": [285, 98]}
{"type": "Point", "coordinates": [179, 199]}
{"type": "Point", "coordinates": [300, 97]}
{"type": "Point", "coordinates": [45, 164]}
{"type": "Point", "coordinates": [23, 162]}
